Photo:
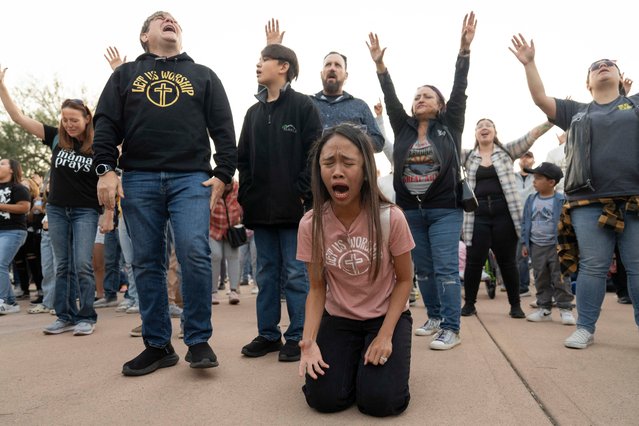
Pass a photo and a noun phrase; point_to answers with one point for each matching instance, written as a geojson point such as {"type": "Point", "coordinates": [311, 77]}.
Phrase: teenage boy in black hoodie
{"type": "Point", "coordinates": [276, 137]}
{"type": "Point", "coordinates": [162, 108]}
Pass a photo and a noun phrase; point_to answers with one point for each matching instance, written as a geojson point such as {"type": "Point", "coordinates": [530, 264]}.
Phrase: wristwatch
{"type": "Point", "coordinates": [102, 169]}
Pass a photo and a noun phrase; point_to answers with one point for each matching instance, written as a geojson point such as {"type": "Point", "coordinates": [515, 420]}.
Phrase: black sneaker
{"type": "Point", "coordinates": [260, 346]}
{"type": "Point", "coordinates": [624, 300]}
{"type": "Point", "coordinates": [516, 312]}
{"type": "Point", "coordinates": [468, 309]}
{"type": "Point", "coordinates": [201, 355]}
{"type": "Point", "coordinates": [290, 351]}
{"type": "Point", "coordinates": [150, 360]}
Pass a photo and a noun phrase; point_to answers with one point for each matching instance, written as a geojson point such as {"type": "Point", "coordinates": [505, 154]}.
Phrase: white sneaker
{"type": "Point", "coordinates": [429, 328]}
{"type": "Point", "coordinates": [255, 290]}
{"type": "Point", "coordinates": [214, 299]}
{"type": "Point", "coordinates": [83, 328]}
{"type": "Point", "coordinates": [58, 327]}
{"type": "Point", "coordinates": [566, 317]}
{"type": "Point", "coordinates": [9, 309]}
{"type": "Point", "coordinates": [580, 339]}
{"type": "Point", "coordinates": [234, 299]}
{"type": "Point", "coordinates": [445, 339]}
{"type": "Point", "coordinates": [124, 305]}
{"type": "Point", "coordinates": [174, 310]}
{"type": "Point", "coordinates": [540, 315]}
{"type": "Point", "coordinates": [103, 302]}
{"type": "Point", "coordinates": [134, 309]}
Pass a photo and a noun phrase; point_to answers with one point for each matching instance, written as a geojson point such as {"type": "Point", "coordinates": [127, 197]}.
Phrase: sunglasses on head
{"type": "Point", "coordinates": [73, 101]}
{"type": "Point", "coordinates": [598, 64]}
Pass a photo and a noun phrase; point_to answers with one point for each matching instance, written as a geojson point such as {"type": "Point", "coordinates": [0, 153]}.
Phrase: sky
{"type": "Point", "coordinates": [67, 39]}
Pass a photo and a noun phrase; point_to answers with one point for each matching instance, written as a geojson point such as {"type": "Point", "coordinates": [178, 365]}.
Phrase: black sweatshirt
{"type": "Point", "coordinates": [163, 110]}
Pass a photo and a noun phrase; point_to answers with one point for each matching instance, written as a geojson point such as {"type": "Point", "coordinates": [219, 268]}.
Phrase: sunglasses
{"type": "Point", "coordinates": [73, 101]}
{"type": "Point", "coordinates": [598, 64]}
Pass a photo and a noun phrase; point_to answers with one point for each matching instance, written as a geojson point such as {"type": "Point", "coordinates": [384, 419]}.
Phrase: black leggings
{"type": "Point", "coordinates": [380, 390]}
{"type": "Point", "coordinates": [493, 229]}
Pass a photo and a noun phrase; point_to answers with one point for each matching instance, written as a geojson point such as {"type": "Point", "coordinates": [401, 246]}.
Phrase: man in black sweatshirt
{"type": "Point", "coordinates": [162, 108]}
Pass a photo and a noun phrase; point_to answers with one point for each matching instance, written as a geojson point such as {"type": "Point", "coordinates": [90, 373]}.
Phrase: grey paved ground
{"type": "Point", "coordinates": [505, 372]}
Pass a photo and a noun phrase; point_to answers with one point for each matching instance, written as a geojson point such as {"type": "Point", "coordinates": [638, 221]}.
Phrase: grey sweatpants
{"type": "Point", "coordinates": [548, 280]}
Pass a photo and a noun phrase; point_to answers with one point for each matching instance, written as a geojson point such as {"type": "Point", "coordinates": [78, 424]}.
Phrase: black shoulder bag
{"type": "Point", "coordinates": [468, 200]}
{"type": "Point", "coordinates": [235, 235]}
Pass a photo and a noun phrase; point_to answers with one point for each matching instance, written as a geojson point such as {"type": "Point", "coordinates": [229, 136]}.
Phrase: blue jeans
{"type": "Point", "coordinates": [112, 255]}
{"type": "Point", "coordinates": [436, 233]}
{"type": "Point", "coordinates": [127, 254]}
{"type": "Point", "coordinates": [152, 199]}
{"type": "Point", "coordinates": [72, 233]}
{"type": "Point", "coordinates": [10, 242]}
{"type": "Point", "coordinates": [47, 262]}
{"type": "Point", "coordinates": [276, 251]}
{"type": "Point", "coordinates": [596, 246]}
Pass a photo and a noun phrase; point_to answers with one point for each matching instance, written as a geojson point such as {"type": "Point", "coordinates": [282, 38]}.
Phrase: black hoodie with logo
{"type": "Point", "coordinates": [163, 111]}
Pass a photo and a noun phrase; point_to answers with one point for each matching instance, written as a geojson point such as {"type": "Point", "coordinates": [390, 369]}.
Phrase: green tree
{"type": "Point", "coordinates": [42, 103]}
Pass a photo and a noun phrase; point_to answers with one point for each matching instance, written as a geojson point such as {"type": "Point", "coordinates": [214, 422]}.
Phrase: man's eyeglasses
{"type": "Point", "coordinates": [598, 64]}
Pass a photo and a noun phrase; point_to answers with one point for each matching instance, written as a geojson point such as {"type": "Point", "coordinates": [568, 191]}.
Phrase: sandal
{"type": "Point", "coordinates": [38, 309]}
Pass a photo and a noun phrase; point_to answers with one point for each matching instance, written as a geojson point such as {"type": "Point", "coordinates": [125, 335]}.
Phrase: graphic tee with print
{"type": "Point", "coordinates": [73, 179]}
{"type": "Point", "coordinates": [351, 292]}
{"type": "Point", "coordinates": [543, 231]}
{"type": "Point", "coordinates": [13, 193]}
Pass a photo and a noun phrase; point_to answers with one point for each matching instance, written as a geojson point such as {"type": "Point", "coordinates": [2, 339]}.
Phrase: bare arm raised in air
{"type": "Point", "coordinates": [525, 53]}
{"type": "Point", "coordinates": [27, 123]}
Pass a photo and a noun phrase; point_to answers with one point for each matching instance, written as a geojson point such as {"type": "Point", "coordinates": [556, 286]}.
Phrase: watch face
{"type": "Point", "coordinates": [101, 169]}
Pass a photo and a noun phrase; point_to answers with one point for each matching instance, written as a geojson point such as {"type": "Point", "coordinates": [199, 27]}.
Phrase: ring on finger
{"type": "Point", "coordinates": [383, 359]}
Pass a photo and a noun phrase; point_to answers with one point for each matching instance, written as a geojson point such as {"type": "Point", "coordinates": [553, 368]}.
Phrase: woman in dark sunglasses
{"type": "Point", "coordinates": [72, 209]}
{"type": "Point", "coordinates": [601, 183]}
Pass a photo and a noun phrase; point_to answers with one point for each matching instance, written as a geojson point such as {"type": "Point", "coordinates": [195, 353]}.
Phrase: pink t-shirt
{"type": "Point", "coordinates": [348, 265]}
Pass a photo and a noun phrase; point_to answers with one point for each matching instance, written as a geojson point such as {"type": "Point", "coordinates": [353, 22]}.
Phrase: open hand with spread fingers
{"type": "Point", "coordinates": [522, 50]}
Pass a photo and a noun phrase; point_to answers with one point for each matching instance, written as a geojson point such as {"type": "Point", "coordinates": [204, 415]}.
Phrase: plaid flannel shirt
{"type": "Point", "coordinates": [611, 218]}
{"type": "Point", "coordinates": [503, 161]}
{"type": "Point", "coordinates": [219, 224]}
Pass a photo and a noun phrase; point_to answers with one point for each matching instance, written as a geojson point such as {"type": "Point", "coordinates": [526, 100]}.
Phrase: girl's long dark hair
{"type": "Point", "coordinates": [16, 168]}
{"type": "Point", "coordinates": [371, 197]}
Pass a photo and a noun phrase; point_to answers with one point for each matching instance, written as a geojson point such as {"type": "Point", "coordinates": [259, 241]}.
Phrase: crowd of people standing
{"type": "Point", "coordinates": [137, 174]}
